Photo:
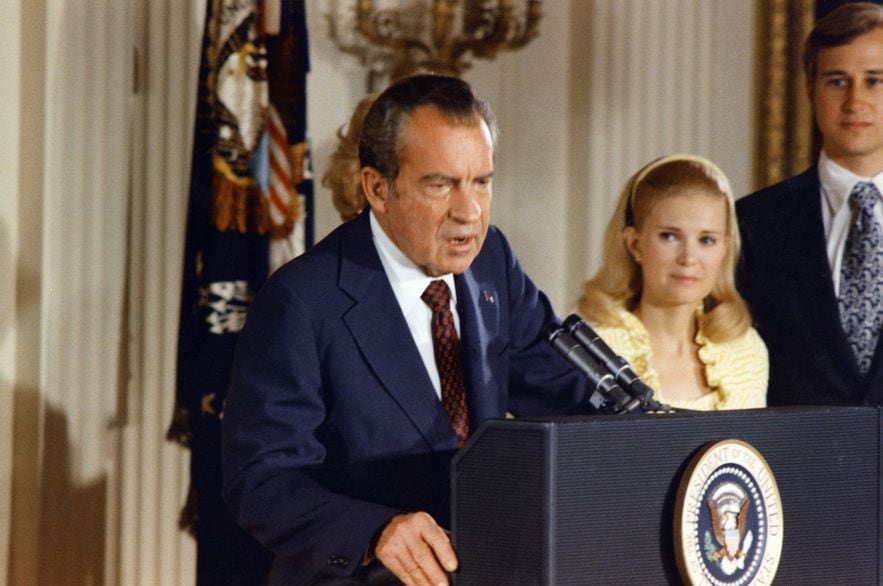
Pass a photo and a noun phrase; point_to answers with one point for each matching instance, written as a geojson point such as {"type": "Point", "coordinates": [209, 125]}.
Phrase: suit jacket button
{"type": "Point", "coordinates": [338, 561]}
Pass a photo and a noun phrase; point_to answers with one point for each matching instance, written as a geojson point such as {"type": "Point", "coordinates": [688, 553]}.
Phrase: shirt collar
{"type": "Point", "coordinates": [407, 279]}
{"type": "Point", "coordinates": [837, 182]}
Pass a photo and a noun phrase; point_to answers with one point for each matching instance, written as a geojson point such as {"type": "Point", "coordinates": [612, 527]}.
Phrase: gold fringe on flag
{"type": "Point", "coordinates": [239, 205]}
{"type": "Point", "coordinates": [297, 153]}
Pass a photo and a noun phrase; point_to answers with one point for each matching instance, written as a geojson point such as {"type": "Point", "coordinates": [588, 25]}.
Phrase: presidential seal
{"type": "Point", "coordinates": [728, 518]}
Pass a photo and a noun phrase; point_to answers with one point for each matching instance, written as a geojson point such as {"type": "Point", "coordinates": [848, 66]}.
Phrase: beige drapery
{"type": "Point", "coordinates": [89, 488]}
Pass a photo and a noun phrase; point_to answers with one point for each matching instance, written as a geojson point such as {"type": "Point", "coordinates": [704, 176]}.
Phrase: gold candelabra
{"type": "Point", "coordinates": [445, 40]}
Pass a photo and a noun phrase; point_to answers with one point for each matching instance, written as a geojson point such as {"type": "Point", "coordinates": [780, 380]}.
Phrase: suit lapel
{"type": "Point", "coordinates": [873, 392]}
{"type": "Point", "coordinates": [382, 335]}
{"type": "Point", "coordinates": [478, 304]}
{"type": "Point", "coordinates": [805, 239]}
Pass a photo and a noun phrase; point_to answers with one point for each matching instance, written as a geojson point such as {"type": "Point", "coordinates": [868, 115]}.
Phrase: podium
{"type": "Point", "coordinates": [592, 500]}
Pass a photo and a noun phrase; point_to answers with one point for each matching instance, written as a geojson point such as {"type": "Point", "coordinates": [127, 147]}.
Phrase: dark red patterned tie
{"type": "Point", "coordinates": [447, 358]}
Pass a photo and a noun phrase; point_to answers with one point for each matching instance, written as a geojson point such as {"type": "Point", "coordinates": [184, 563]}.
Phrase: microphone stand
{"type": "Point", "coordinates": [608, 396]}
{"type": "Point", "coordinates": [581, 346]}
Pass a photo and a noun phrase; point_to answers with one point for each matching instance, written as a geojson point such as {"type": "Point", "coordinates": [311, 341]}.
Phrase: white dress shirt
{"type": "Point", "coordinates": [837, 183]}
{"type": "Point", "coordinates": [408, 283]}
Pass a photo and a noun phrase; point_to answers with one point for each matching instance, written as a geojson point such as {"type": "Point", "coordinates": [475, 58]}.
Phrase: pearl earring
{"type": "Point", "coordinates": [638, 258]}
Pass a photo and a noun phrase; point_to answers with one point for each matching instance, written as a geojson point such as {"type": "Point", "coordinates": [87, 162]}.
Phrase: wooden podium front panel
{"type": "Point", "coordinates": [591, 500]}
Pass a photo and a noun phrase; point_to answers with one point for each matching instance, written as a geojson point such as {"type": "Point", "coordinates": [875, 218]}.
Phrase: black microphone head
{"type": "Point", "coordinates": [552, 331]}
{"type": "Point", "coordinates": [571, 322]}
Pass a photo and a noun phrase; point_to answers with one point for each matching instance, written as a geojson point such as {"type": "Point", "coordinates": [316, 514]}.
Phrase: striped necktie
{"type": "Point", "coordinates": [447, 358]}
{"type": "Point", "coordinates": [861, 277]}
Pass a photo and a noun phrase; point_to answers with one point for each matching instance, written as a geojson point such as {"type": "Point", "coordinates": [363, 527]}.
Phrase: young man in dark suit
{"type": "Point", "coordinates": [352, 387]}
{"type": "Point", "coordinates": [812, 245]}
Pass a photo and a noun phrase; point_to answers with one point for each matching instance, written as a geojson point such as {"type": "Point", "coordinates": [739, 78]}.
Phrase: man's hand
{"type": "Point", "coordinates": [416, 550]}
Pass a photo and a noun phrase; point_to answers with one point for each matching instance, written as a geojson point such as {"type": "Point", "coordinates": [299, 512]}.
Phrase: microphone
{"type": "Point", "coordinates": [608, 395]}
{"type": "Point", "coordinates": [617, 365]}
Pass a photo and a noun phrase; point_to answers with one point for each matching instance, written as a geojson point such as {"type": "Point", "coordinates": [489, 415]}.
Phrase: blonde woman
{"type": "Point", "coordinates": [343, 176]}
{"type": "Point", "coordinates": [665, 299]}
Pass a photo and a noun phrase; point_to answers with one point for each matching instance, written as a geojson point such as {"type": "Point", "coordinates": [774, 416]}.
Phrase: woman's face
{"type": "Point", "coordinates": [681, 246]}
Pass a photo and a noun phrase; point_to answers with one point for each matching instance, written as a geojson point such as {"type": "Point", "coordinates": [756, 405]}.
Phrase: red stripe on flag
{"type": "Point", "coordinates": [280, 173]}
{"type": "Point", "coordinates": [277, 201]}
{"type": "Point", "coordinates": [277, 132]}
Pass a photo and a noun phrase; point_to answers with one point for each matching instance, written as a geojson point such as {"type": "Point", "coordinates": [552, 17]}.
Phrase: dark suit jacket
{"type": "Point", "coordinates": [786, 280]}
{"type": "Point", "coordinates": [332, 425]}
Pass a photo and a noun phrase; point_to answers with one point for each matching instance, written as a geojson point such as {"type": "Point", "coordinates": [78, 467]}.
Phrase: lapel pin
{"type": "Point", "coordinates": [487, 296]}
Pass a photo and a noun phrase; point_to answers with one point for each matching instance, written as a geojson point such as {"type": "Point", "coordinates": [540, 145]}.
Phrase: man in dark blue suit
{"type": "Point", "coordinates": [813, 245]}
{"type": "Point", "coordinates": [337, 445]}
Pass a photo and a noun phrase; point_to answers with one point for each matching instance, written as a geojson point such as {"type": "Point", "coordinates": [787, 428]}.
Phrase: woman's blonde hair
{"type": "Point", "coordinates": [343, 176]}
{"type": "Point", "coordinates": [618, 282]}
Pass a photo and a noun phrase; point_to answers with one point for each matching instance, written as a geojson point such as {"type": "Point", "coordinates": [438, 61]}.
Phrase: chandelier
{"type": "Point", "coordinates": [406, 37]}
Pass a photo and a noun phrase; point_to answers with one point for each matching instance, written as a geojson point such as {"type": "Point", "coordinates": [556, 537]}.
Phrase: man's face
{"type": "Point", "coordinates": [439, 210]}
{"type": "Point", "coordinates": [847, 97]}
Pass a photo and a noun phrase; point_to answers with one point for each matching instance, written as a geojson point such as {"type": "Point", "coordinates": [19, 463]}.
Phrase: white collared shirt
{"type": "Point", "coordinates": [408, 283]}
{"type": "Point", "coordinates": [837, 183]}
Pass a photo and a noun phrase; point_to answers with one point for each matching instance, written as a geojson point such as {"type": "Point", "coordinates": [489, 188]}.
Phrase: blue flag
{"type": "Point", "coordinates": [250, 209]}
